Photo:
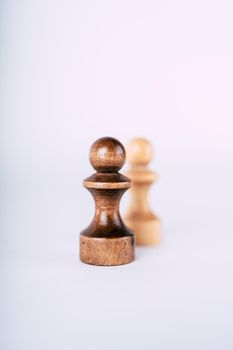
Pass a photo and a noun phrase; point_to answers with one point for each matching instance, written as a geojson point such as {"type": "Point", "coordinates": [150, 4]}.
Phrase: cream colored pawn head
{"type": "Point", "coordinates": [139, 152]}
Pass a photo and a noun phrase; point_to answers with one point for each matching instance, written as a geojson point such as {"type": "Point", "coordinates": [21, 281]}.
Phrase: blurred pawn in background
{"type": "Point", "coordinates": [139, 217]}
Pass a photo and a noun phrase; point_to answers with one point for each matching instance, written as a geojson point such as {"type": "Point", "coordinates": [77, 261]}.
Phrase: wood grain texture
{"type": "Point", "coordinates": [107, 241]}
{"type": "Point", "coordinates": [139, 217]}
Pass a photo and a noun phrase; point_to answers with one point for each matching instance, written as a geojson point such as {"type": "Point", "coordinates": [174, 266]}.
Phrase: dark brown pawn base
{"type": "Point", "coordinates": [106, 251]}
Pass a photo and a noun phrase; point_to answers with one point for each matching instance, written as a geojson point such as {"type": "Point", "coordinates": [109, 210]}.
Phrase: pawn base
{"type": "Point", "coordinates": [147, 232]}
{"type": "Point", "coordinates": [106, 251]}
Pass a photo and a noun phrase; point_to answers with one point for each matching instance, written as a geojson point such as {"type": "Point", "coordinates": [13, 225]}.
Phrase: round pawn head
{"type": "Point", "coordinates": [107, 155]}
{"type": "Point", "coordinates": [139, 151]}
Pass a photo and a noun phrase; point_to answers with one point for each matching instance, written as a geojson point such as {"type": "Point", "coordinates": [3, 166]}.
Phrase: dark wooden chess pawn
{"type": "Point", "coordinates": [107, 241]}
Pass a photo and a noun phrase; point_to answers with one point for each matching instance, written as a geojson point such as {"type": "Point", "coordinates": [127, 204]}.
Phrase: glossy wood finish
{"type": "Point", "coordinates": [139, 216]}
{"type": "Point", "coordinates": [107, 241]}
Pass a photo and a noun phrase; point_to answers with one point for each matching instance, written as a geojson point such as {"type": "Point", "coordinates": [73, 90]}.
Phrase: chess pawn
{"type": "Point", "coordinates": [107, 241]}
{"type": "Point", "coordinates": [139, 217]}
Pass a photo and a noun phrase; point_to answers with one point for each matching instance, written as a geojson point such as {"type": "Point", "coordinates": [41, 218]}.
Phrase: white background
{"type": "Point", "coordinates": [71, 72]}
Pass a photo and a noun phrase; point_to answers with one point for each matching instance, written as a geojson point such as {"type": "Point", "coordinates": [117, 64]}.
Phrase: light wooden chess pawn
{"type": "Point", "coordinates": [139, 217]}
{"type": "Point", "coordinates": [107, 241]}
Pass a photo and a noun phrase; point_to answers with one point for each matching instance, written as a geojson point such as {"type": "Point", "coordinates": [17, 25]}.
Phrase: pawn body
{"type": "Point", "coordinates": [139, 217]}
{"type": "Point", "coordinates": [107, 241]}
